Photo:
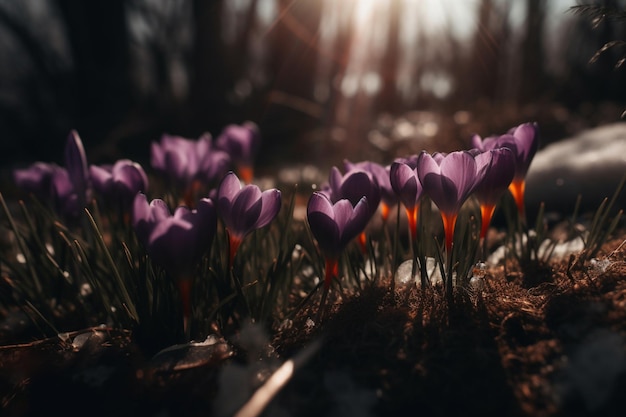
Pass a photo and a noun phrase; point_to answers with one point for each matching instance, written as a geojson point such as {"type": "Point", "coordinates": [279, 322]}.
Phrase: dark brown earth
{"type": "Point", "coordinates": [553, 348]}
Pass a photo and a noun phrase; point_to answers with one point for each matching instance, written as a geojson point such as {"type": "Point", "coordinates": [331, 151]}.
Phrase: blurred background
{"type": "Point", "coordinates": [324, 79]}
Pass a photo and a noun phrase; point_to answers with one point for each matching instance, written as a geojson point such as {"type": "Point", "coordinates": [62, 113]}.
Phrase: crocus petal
{"type": "Point", "coordinates": [484, 160]}
{"type": "Point", "coordinates": [430, 177]}
{"type": "Point", "coordinates": [319, 202]}
{"type": "Point", "coordinates": [342, 213]}
{"type": "Point", "coordinates": [379, 174]}
{"type": "Point", "coordinates": [171, 245]}
{"type": "Point", "coordinates": [460, 168]}
{"type": "Point", "coordinates": [411, 161]}
{"type": "Point", "coordinates": [439, 156]}
{"type": "Point", "coordinates": [158, 210]}
{"type": "Point", "coordinates": [76, 164]}
{"type": "Point", "coordinates": [228, 189]}
{"type": "Point", "coordinates": [183, 213]}
{"type": "Point", "coordinates": [177, 165]}
{"type": "Point", "coordinates": [477, 142]}
{"type": "Point", "coordinates": [450, 184]}
{"type": "Point", "coordinates": [132, 178]}
{"type": "Point", "coordinates": [357, 222]}
{"type": "Point", "coordinates": [61, 184]}
{"type": "Point", "coordinates": [157, 156]}
{"type": "Point", "coordinates": [357, 184]}
{"type": "Point", "coordinates": [320, 215]}
{"type": "Point", "coordinates": [334, 181]}
{"type": "Point", "coordinates": [213, 166]}
{"type": "Point", "coordinates": [527, 140]}
{"type": "Point", "coordinates": [499, 165]}
{"type": "Point", "coordinates": [405, 184]}
{"type": "Point", "coordinates": [101, 178]}
{"type": "Point", "coordinates": [36, 178]}
{"type": "Point", "coordinates": [326, 232]}
{"type": "Point", "coordinates": [175, 227]}
{"type": "Point", "coordinates": [141, 218]}
{"type": "Point", "coordinates": [176, 242]}
{"type": "Point", "coordinates": [335, 225]}
{"type": "Point", "coordinates": [271, 202]}
{"type": "Point", "coordinates": [245, 211]}
{"type": "Point", "coordinates": [241, 142]}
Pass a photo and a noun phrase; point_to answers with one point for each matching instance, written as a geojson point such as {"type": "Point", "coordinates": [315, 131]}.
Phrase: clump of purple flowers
{"type": "Point", "coordinates": [186, 241]}
{"type": "Point", "coordinates": [189, 164]}
{"type": "Point", "coordinates": [175, 241]}
{"type": "Point", "coordinates": [523, 141]}
{"type": "Point", "coordinates": [68, 188]}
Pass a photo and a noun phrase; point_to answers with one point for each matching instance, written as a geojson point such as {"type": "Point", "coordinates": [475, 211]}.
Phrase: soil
{"type": "Point", "coordinates": [550, 346]}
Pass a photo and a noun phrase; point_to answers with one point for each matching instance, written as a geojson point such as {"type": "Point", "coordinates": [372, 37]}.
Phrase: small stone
{"type": "Point", "coordinates": [404, 273]}
{"type": "Point", "coordinates": [598, 265]}
{"type": "Point", "coordinates": [477, 284]}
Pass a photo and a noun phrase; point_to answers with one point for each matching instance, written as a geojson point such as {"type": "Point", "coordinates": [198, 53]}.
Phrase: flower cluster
{"type": "Point", "coordinates": [178, 237]}
{"type": "Point", "coordinates": [341, 211]}
{"type": "Point", "coordinates": [195, 165]}
{"type": "Point", "coordinates": [69, 189]}
{"type": "Point", "coordinates": [175, 240]}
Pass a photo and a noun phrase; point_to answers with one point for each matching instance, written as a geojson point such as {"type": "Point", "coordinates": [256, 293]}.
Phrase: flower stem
{"type": "Point", "coordinates": [395, 250]}
{"type": "Point", "coordinates": [233, 246]}
{"type": "Point", "coordinates": [486, 212]}
{"type": "Point", "coordinates": [384, 211]}
{"type": "Point", "coordinates": [412, 215]}
{"type": "Point", "coordinates": [184, 290]}
{"type": "Point", "coordinates": [449, 222]}
{"type": "Point", "coordinates": [331, 271]}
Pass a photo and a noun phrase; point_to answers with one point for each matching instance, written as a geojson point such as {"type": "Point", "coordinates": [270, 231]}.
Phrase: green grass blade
{"type": "Point", "coordinates": [127, 301]}
{"type": "Point", "coordinates": [21, 246]}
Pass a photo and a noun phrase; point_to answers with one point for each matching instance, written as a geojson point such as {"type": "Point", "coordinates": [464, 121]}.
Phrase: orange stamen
{"type": "Point", "coordinates": [184, 290]}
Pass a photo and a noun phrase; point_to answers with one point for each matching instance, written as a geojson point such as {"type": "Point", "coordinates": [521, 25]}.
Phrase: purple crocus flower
{"type": "Point", "coordinates": [241, 142]}
{"type": "Point", "coordinates": [244, 209]}
{"type": "Point", "coordinates": [380, 175]}
{"type": "Point", "coordinates": [66, 199]}
{"type": "Point", "coordinates": [523, 140]}
{"type": "Point", "coordinates": [352, 186]}
{"type": "Point", "coordinates": [36, 179]}
{"type": "Point", "coordinates": [175, 242]}
{"type": "Point", "coordinates": [448, 181]}
{"type": "Point", "coordinates": [76, 165]}
{"type": "Point", "coordinates": [68, 187]}
{"type": "Point", "coordinates": [406, 184]}
{"type": "Point", "coordinates": [499, 165]}
{"type": "Point", "coordinates": [334, 225]}
{"type": "Point", "coordinates": [189, 162]}
{"type": "Point", "coordinates": [120, 182]}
